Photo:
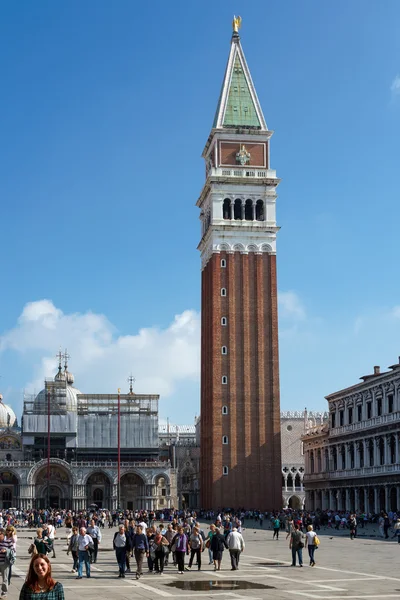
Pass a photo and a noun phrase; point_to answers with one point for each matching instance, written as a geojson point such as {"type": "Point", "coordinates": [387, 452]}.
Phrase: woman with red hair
{"type": "Point", "coordinates": [39, 584]}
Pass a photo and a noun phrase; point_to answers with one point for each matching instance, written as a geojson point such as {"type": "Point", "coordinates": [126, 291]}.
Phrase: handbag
{"type": "Point", "coordinates": [316, 541]}
{"type": "Point", "coordinates": [301, 544]}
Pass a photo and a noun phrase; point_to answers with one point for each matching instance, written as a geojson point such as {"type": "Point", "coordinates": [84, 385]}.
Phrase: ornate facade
{"type": "Point", "coordinates": [240, 411]}
{"type": "Point", "coordinates": [352, 458]}
{"type": "Point", "coordinates": [84, 452]}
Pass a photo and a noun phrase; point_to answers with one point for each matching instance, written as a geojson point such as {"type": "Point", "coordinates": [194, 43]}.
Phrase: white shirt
{"type": "Point", "coordinates": [50, 531]}
{"type": "Point", "coordinates": [144, 526]}
{"type": "Point", "coordinates": [83, 541]}
{"type": "Point", "coordinates": [310, 535]}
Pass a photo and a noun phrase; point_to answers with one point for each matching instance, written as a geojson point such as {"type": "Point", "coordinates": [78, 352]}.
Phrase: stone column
{"type": "Point", "coordinates": [366, 500]}
{"type": "Point", "coordinates": [285, 477]}
{"type": "Point", "coordinates": [254, 209]}
{"type": "Point", "coordinates": [376, 500]}
{"type": "Point", "coordinates": [387, 507]}
{"type": "Point", "coordinates": [376, 452]}
{"type": "Point", "coordinates": [385, 450]}
{"type": "Point", "coordinates": [347, 507]}
{"type": "Point", "coordinates": [398, 497]}
{"type": "Point", "coordinates": [396, 457]}
{"type": "Point", "coordinates": [339, 499]}
{"type": "Point", "coordinates": [356, 499]}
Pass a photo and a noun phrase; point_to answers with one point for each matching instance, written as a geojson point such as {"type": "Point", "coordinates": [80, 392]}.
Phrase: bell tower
{"type": "Point", "coordinates": [240, 409]}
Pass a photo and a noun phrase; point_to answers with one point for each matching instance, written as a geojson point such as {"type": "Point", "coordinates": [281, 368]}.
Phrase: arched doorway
{"type": "Point", "coordinates": [295, 503]}
{"type": "Point", "coordinates": [132, 492]}
{"type": "Point", "coordinates": [56, 492]}
{"type": "Point", "coordinates": [8, 489]}
{"type": "Point", "coordinates": [98, 487]}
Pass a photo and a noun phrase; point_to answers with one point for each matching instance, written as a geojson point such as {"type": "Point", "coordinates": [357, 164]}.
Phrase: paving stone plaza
{"type": "Point", "coordinates": [364, 568]}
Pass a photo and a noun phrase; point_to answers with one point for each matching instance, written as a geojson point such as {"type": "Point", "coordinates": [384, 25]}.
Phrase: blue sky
{"type": "Point", "coordinates": [104, 112]}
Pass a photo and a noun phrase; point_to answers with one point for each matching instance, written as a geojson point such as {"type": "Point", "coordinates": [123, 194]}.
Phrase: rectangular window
{"type": "Point", "coordinates": [350, 415]}
{"type": "Point", "coordinates": [390, 403]}
{"type": "Point", "coordinates": [341, 418]}
{"type": "Point", "coordinates": [369, 410]}
{"type": "Point", "coordinates": [379, 407]}
{"type": "Point", "coordinates": [224, 470]}
{"type": "Point", "coordinates": [359, 412]}
{"type": "Point", "coordinates": [333, 420]}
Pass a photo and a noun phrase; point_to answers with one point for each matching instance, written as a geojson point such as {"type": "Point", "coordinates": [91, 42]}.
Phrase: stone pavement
{"type": "Point", "coordinates": [364, 568]}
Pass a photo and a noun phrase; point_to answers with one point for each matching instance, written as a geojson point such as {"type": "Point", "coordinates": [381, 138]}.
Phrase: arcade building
{"type": "Point", "coordinates": [83, 466]}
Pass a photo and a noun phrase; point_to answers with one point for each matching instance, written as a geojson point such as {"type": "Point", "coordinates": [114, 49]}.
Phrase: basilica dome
{"type": "Point", "coordinates": [66, 396]}
{"type": "Point", "coordinates": [7, 415]}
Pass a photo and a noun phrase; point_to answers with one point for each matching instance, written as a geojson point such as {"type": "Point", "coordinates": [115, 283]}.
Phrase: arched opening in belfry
{"type": "Point", "coordinates": [227, 209]}
{"type": "Point", "coordinates": [248, 210]}
{"type": "Point", "coordinates": [237, 211]}
{"type": "Point", "coordinates": [260, 210]}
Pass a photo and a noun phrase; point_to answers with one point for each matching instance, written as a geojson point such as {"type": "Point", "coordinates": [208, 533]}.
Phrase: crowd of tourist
{"type": "Point", "coordinates": [170, 538]}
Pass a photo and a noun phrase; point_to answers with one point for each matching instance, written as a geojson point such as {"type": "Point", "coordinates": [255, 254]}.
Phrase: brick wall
{"type": "Point", "coordinates": [253, 454]}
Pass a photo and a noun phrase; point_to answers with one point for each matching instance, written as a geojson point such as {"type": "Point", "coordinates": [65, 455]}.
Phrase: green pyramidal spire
{"type": "Point", "coordinates": [238, 105]}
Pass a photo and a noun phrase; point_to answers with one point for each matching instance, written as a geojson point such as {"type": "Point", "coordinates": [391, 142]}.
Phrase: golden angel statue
{"type": "Point", "coordinates": [236, 23]}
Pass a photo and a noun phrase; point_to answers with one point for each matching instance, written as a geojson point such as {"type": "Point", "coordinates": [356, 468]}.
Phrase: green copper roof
{"type": "Point", "coordinates": [240, 109]}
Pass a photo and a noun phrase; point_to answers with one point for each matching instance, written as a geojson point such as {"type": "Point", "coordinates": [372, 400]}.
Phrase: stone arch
{"type": "Point", "coordinates": [9, 488]}
{"type": "Point", "coordinates": [266, 248]}
{"type": "Point", "coordinates": [56, 493]}
{"type": "Point", "coordinates": [239, 247]}
{"type": "Point", "coordinates": [224, 247]}
{"type": "Point", "coordinates": [95, 471]}
{"type": "Point", "coordinates": [142, 475]}
{"type": "Point", "coordinates": [295, 503]}
{"type": "Point", "coordinates": [158, 475]}
{"type": "Point", "coordinates": [132, 490]}
{"type": "Point", "coordinates": [99, 488]}
{"type": "Point", "coordinates": [252, 248]}
{"type": "Point", "coordinates": [43, 463]}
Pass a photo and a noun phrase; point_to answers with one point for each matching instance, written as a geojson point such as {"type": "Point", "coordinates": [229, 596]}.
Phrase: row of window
{"type": "Point", "coordinates": [359, 414]}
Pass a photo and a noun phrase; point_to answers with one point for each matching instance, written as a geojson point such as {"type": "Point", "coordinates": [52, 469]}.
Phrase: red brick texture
{"type": "Point", "coordinates": [253, 454]}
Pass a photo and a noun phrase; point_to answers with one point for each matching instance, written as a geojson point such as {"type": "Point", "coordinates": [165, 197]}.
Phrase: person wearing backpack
{"type": "Point", "coordinates": [296, 545]}
{"type": "Point", "coordinates": [276, 524]}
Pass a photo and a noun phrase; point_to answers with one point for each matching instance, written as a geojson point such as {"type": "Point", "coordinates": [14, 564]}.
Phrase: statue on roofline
{"type": "Point", "coordinates": [236, 23]}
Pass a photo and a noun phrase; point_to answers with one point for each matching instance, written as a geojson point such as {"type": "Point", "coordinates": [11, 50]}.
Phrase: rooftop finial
{"type": "Point", "coordinates": [236, 24]}
{"type": "Point", "coordinates": [131, 380]}
{"type": "Point", "coordinates": [66, 357]}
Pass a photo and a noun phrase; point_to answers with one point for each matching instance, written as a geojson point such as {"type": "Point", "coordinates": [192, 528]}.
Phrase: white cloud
{"type": "Point", "coordinates": [290, 306]}
{"type": "Point", "coordinates": [102, 360]}
{"type": "Point", "coordinates": [395, 87]}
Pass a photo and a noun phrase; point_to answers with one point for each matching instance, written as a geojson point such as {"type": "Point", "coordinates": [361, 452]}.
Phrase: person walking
{"type": "Point", "coordinates": [235, 543]}
{"type": "Point", "coordinates": [276, 524]}
{"type": "Point", "coordinates": [196, 548]}
{"type": "Point", "coordinates": [208, 543]}
{"type": "Point", "coordinates": [40, 582]}
{"type": "Point", "coordinates": [160, 545]}
{"type": "Point", "coordinates": [140, 547]}
{"type": "Point", "coordinates": [41, 542]}
{"type": "Point", "coordinates": [73, 547]}
{"type": "Point", "coordinates": [311, 544]}
{"type": "Point", "coordinates": [120, 547]}
{"type": "Point", "coordinates": [181, 546]}
{"type": "Point", "coordinates": [353, 526]}
{"type": "Point", "coordinates": [94, 531]}
{"type": "Point", "coordinates": [6, 547]}
{"type": "Point", "coordinates": [84, 540]}
{"type": "Point", "coordinates": [11, 533]}
{"type": "Point", "coordinates": [296, 545]}
{"type": "Point", "coordinates": [218, 544]}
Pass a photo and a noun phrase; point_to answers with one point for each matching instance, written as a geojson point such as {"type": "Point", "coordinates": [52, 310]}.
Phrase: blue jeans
{"type": "Point", "coordinates": [121, 559]}
{"type": "Point", "coordinates": [299, 552]}
{"type": "Point", "coordinates": [311, 550]}
{"type": "Point", "coordinates": [83, 558]}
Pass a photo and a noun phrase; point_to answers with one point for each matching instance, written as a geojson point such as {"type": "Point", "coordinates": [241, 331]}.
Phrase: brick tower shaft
{"type": "Point", "coordinates": [240, 408]}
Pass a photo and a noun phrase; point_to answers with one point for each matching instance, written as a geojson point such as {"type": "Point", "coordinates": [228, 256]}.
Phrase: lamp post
{"type": "Point", "coordinates": [119, 450]}
{"type": "Point", "coordinates": [48, 448]}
